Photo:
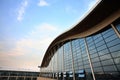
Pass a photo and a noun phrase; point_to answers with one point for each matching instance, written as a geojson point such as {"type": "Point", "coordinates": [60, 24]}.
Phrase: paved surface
{"type": "Point", "coordinates": [41, 78]}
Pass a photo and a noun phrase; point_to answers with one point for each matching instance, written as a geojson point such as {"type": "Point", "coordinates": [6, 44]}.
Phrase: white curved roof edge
{"type": "Point", "coordinates": [82, 17]}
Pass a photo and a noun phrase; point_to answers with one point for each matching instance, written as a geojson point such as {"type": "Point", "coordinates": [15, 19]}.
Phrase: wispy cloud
{"type": "Point", "coordinates": [43, 3]}
{"type": "Point", "coordinates": [21, 10]}
{"type": "Point", "coordinates": [36, 42]}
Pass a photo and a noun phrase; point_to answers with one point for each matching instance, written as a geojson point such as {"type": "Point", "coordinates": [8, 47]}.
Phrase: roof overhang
{"type": "Point", "coordinates": [102, 15]}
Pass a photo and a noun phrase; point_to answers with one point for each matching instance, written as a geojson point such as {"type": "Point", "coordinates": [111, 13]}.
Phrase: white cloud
{"type": "Point", "coordinates": [28, 51]}
{"type": "Point", "coordinates": [21, 10]}
{"type": "Point", "coordinates": [36, 41]}
{"type": "Point", "coordinates": [43, 3]}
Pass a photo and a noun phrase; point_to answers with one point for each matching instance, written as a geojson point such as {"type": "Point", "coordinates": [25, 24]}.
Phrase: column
{"type": "Point", "coordinates": [72, 60]}
{"type": "Point", "coordinates": [88, 53]}
{"type": "Point", "coordinates": [116, 31]}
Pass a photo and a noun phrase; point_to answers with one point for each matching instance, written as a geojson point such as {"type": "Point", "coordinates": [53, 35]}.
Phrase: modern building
{"type": "Point", "coordinates": [88, 51]}
{"type": "Point", "coordinates": [18, 75]}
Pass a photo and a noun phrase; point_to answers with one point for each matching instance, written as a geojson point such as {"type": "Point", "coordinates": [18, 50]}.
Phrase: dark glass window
{"type": "Point", "coordinates": [116, 54]}
{"type": "Point", "coordinates": [114, 42]}
{"type": "Point", "coordinates": [95, 59]}
{"type": "Point", "coordinates": [118, 27]}
{"type": "Point", "coordinates": [115, 48]}
{"type": "Point", "coordinates": [102, 52]}
{"type": "Point", "coordinates": [109, 68]}
{"type": "Point", "coordinates": [96, 64]}
{"type": "Point", "coordinates": [108, 33]}
{"type": "Point", "coordinates": [107, 62]}
{"type": "Point", "coordinates": [87, 66]}
{"type": "Point", "coordinates": [98, 39]}
{"type": "Point", "coordinates": [94, 55]}
{"type": "Point", "coordinates": [118, 66]}
{"type": "Point", "coordinates": [107, 56]}
{"type": "Point", "coordinates": [86, 62]}
{"type": "Point", "coordinates": [20, 78]}
{"type": "Point", "coordinates": [12, 78]}
{"type": "Point", "coordinates": [88, 70]}
{"type": "Point", "coordinates": [100, 43]}
{"type": "Point", "coordinates": [98, 69]}
{"type": "Point", "coordinates": [4, 73]}
{"type": "Point", "coordinates": [27, 78]}
{"type": "Point", "coordinates": [93, 51]}
{"type": "Point", "coordinates": [96, 36]}
{"type": "Point", "coordinates": [34, 79]}
{"type": "Point", "coordinates": [112, 37]}
{"type": "Point", "coordinates": [101, 47]}
{"type": "Point", "coordinates": [89, 39]}
{"type": "Point", "coordinates": [91, 47]}
{"type": "Point", "coordinates": [117, 60]}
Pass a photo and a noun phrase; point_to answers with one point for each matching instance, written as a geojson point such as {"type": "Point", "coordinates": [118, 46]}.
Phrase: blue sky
{"type": "Point", "coordinates": [27, 27]}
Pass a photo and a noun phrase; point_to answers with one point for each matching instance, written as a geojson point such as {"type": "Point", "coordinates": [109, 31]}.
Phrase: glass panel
{"type": "Point", "coordinates": [114, 42]}
{"type": "Point", "coordinates": [12, 78]}
{"type": "Point", "coordinates": [117, 60]}
{"type": "Point", "coordinates": [105, 51]}
{"type": "Point", "coordinates": [109, 68]}
{"type": "Point", "coordinates": [118, 66]}
{"type": "Point", "coordinates": [101, 47]}
{"type": "Point", "coordinates": [97, 64]}
{"type": "Point", "coordinates": [116, 54]}
{"type": "Point", "coordinates": [104, 57]}
{"type": "Point", "coordinates": [112, 37]}
{"type": "Point", "coordinates": [99, 69]}
{"type": "Point", "coordinates": [94, 55]}
{"type": "Point", "coordinates": [20, 78]}
{"type": "Point", "coordinates": [27, 78]}
{"type": "Point", "coordinates": [3, 78]}
{"type": "Point", "coordinates": [95, 59]}
{"type": "Point", "coordinates": [34, 79]}
{"type": "Point", "coordinates": [107, 62]}
{"type": "Point", "coordinates": [118, 27]}
{"type": "Point", "coordinates": [115, 48]}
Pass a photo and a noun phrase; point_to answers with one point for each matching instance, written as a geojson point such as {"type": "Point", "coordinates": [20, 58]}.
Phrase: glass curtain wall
{"type": "Point", "coordinates": [104, 51]}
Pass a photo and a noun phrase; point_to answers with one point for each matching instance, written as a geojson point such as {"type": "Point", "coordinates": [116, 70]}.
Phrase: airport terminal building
{"type": "Point", "coordinates": [88, 51]}
{"type": "Point", "coordinates": [18, 75]}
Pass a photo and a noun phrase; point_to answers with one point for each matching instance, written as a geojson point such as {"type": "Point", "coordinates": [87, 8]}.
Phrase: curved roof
{"type": "Point", "coordinates": [98, 18]}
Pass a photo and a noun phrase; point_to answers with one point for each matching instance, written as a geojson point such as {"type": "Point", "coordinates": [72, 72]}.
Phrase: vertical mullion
{"type": "Point", "coordinates": [63, 60]}
{"type": "Point", "coordinates": [88, 53]}
{"type": "Point", "coordinates": [72, 60]}
{"type": "Point", "coordinates": [116, 31]}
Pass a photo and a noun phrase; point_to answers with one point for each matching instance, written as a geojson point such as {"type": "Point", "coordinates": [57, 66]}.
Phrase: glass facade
{"type": "Point", "coordinates": [102, 50]}
{"type": "Point", "coordinates": [18, 75]}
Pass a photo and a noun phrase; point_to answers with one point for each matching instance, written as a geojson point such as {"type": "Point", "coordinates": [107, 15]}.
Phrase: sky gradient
{"type": "Point", "coordinates": [27, 27]}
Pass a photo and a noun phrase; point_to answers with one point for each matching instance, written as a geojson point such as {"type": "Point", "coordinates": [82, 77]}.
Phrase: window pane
{"type": "Point", "coordinates": [117, 60]}
{"type": "Point", "coordinates": [105, 57]}
{"type": "Point", "coordinates": [105, 51]}
{"type": "Point", "coordinates": [115, 48]}
{"type": "Point", "coordinates": [96, 64]}
{"type": "Point", "coordinates": [109, 68]}
{"type": "Point", "coordinates": [118, 27]}
{"type": "Point", "coordinates": [116, 54]}
{"type": "Point", "coordinates": [107, 62]}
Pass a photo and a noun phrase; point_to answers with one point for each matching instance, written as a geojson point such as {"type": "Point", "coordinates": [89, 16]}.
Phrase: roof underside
{"type": "Point", "coordinates": [104, 9]}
